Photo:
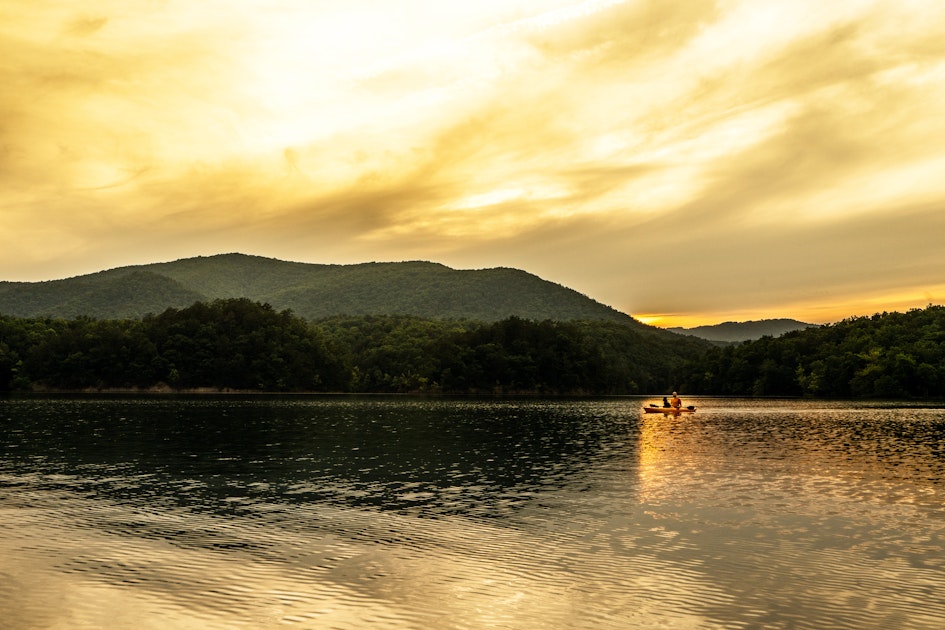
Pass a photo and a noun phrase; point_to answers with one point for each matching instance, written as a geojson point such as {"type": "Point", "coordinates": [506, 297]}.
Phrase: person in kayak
{"type": "Point", "coordinates": [675, 403]}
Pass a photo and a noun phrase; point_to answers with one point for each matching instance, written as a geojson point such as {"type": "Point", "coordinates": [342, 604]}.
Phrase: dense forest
{"type": "Point", "coordinates": [239, 344]}
{"type": "Point", "coordinates": [887, 355]}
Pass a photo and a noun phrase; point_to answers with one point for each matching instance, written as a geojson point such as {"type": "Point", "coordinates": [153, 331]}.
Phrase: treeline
{"type": "Point", "coordinates": [887, 355]}
{"type": "Point", "coordinates": [238, 344]}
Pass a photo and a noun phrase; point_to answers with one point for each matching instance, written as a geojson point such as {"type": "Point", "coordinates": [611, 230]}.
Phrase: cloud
{"type": "Point", "coordinates": [704, 157]}
{"type": "Point", "coordinates": [627, 36]}
{"type": "Point", "coordinates": [84, 25]}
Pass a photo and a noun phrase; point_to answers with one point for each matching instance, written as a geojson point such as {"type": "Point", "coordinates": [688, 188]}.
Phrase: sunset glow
{"type": "Point", "coordinates": [685, 162]}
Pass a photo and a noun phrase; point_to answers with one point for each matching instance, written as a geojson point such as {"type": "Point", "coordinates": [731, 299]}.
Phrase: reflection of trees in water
{"type": "Point", "coordinates": [436, 456]}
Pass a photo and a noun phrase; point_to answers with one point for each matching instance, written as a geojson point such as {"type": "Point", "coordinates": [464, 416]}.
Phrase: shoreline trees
{"type": "Point", "coordinates": [886, 355]}
{"type": "Point", "coordinates": [238, 344]}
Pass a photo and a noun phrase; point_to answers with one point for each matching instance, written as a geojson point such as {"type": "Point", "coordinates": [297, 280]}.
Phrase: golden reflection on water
{"type": "Point", "coordinates": [657, 452]}
{"type": "Point", "coordinates": [73, 577]}
{"type": "Point", "coordinates": [813, 513]}
{"type": "Point", "coordinates": [62, 575]}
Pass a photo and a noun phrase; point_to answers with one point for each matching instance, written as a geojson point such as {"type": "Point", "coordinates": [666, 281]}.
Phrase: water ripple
{"type": "Point", "coordinates": [411, 513]}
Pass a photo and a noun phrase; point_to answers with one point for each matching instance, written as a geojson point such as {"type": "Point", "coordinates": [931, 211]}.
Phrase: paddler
{"type": "Point", "coordinates": [675, 403]}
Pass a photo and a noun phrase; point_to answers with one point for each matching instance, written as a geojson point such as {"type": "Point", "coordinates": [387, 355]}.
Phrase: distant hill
{"type": "Point", "coordinates": [743, 331]}
{"type": "Point", "coordinates": [312, 291]}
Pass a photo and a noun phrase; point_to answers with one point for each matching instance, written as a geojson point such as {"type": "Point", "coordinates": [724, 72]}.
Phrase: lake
{"type": "Point", "coordinates": [401, 512]}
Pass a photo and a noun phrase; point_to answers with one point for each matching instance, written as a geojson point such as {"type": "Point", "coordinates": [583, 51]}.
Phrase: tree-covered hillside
{"type": "Point", "coordinates": [119, 296]}
{"type": "Point", "coordinates": [888, 355]}
{"type": "Point", "coordinates": [244, 345]}
{"type": "Point", "coordinates": [421, 289]}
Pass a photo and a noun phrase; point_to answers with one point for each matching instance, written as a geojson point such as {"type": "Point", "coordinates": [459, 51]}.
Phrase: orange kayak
{"type": "Point", "coordinates": [667, 410]}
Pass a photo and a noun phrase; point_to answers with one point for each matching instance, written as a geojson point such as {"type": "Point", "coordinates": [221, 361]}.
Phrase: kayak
{"type": "Point", "coordinates": [668, 410]}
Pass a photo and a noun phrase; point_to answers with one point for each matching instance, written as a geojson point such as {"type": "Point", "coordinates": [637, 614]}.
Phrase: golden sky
{"type": "Point", "coordinates": [685, 161]}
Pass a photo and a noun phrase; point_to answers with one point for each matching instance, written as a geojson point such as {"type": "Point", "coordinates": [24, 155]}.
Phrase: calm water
{"type": "Point", "coordinates": [341, 512]}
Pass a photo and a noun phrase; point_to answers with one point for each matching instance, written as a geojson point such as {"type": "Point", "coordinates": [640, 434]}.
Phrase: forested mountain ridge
{"type": "Point", "coordinates": [743, 331]}
{"type": "Point", "coordinates": [245, 345]}
{"type": "Point", "coordinates": [116, 296]}
{"type": "Point", "coordinates": [312, 291]}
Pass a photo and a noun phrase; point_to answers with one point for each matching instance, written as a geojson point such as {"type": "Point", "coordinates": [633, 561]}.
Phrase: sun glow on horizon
{"type": "Point", "coordinates": [809, 313]}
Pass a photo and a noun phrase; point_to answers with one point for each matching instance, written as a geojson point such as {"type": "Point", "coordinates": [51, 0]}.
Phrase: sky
{"type": "Point", "coordinates": [687, 162]}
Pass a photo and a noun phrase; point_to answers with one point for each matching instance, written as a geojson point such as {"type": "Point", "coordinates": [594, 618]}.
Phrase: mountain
{"type": "Point", "coordinates": [117, 296]}
{"type": "Point", "coordinates": [311, 291]}
{"type": "Point", "coordinates": [743, 331]}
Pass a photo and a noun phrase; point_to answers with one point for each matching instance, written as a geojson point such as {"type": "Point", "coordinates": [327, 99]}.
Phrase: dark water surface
{"type": "Point", "coordinates": [337, 512]}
